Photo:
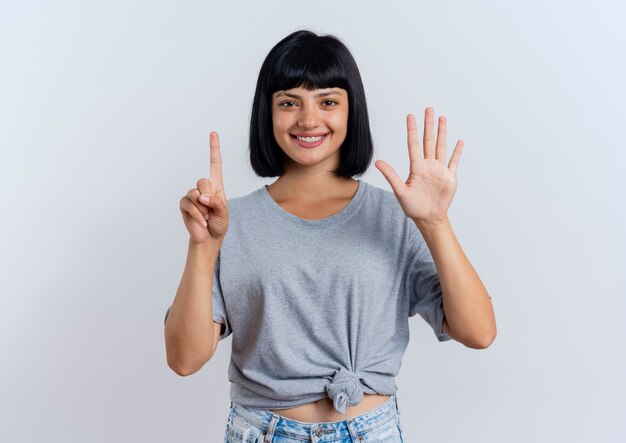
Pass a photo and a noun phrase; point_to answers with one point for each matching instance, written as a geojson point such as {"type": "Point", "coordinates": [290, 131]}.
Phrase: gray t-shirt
{"type": "Point", "coordinates": [320, 308]}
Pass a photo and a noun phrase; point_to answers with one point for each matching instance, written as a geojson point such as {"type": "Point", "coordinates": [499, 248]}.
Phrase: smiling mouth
{"type": "Point", "coordinates": [310, 139]}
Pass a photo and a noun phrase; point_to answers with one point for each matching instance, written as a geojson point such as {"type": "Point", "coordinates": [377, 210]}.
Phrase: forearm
{"type": "Point", "coordinates": [189, 325]}
{"type": "Point", "coordinates": [466, 303]}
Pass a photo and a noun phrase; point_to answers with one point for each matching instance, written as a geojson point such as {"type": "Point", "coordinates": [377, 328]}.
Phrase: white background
{"type": "Point", "coordinates": [105, 113]}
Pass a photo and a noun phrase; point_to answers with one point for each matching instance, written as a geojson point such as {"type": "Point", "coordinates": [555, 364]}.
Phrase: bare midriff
{"type": "Point", "coordinates": [323, 410]}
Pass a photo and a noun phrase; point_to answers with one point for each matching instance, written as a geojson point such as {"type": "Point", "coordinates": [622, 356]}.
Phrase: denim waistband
{"type": "Point", "coordinates": [275, 424]}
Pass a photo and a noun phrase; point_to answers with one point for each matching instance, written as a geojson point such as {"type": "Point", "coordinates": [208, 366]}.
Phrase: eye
{"type": "Point", "coordinates": [332, 102]}
{"type": "Point", "coordinates": [286, 104]}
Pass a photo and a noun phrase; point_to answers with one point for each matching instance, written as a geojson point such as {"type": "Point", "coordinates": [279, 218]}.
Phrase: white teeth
{"type": "Point", "coordinates": [310, 139]}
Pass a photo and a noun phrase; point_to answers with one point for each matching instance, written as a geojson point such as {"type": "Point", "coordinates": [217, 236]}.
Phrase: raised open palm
{"type": "Point", "coordinates": [427, 193]}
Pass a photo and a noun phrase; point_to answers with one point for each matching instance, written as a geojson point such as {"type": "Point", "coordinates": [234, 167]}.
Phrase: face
{"type": "Point", "coordinates": [310, 126]}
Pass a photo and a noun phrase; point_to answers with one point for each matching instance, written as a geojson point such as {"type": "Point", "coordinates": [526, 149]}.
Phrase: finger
{"type": "Point", "coordinates": [205, 186]}
{"type": "Point", "coordinates": [411, 139]}
{"type": "Point", "coordinates": [215, 159]}
{"type": "Point", "coordinates": [194, 196]}
{"type": "Point", "coordinates": [216, 202]}
{"type": "Point", "coordinates": [187, 206]}
{"type": "Point", "coordinates": [397, 184]}
{"type": "Point", "coordinates": [429, 133]}
{"type": "Point", "coordinates": [456, 155]}
{"type": "Point", "coordinates": [441, 140]}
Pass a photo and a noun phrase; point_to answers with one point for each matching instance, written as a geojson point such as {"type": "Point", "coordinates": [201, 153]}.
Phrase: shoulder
{"type": "Point", "coordinates": [388, 210]}
{"type": "Point", "coordinates": [245, 214]}
{"type": "Point", "coordinates": [384, 201]}
{"type": "Point", "coordinates": [244, 202]}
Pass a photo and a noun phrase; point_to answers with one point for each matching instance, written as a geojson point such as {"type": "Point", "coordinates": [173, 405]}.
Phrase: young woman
{"type": "Point", "coordinates": [316, 275]}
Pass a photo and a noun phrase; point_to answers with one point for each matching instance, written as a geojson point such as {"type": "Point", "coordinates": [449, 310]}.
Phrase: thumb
{"type": "Point", "coordinates": [216, 202]}
{"type": "Point", "coordinates": [397, 184]}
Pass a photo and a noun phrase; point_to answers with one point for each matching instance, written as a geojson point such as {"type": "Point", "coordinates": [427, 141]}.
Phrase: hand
{"type": "Point", "coordinates": [207, 219]}
{"type": "Point", "coordinates": [426, 195]}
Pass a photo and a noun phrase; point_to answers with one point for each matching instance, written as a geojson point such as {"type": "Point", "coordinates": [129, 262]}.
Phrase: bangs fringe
{"type": "Point", "coordinates": [308, 66]}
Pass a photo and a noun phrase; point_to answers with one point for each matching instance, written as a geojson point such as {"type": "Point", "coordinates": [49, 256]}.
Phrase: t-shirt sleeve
{"type": "Point", "coordinates": [425, 296]}
{"type": "Point", "coordinates": [218, 305]}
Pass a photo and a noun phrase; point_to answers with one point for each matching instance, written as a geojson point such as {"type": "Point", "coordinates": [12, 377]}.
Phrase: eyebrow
{"type": "Point", "coordinates": [321, 94]}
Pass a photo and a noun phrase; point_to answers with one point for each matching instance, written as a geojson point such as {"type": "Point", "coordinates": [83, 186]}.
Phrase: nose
{"type": "Point", "coordinates": [309, 118]}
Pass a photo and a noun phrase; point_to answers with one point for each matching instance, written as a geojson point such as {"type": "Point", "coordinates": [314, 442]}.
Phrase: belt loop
{"type": "Point", "coordinates": [271, 427]}
{"type": "Point", "coordinates": [352, 429]}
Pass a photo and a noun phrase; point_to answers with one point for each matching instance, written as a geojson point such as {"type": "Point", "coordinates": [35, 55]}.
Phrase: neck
{"type": "Point", "coordinates": [310, 186]}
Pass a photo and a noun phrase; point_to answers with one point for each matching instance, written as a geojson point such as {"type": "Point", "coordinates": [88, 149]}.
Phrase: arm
{"type": "Point", "coordinates": [469, 316]}
{"type": "Point", "coordinates": [425, 198]}
{"type": "Point", "coordinates": [190, 332]}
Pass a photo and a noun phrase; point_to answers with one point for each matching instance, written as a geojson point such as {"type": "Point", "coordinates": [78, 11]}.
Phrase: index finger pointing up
{"type": "Point", "coordinates": [216, 158]}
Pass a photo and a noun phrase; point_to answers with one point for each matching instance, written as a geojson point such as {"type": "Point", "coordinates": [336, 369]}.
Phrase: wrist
{"type": "Point", "coordinates": [210, 247]}
{"type": "Point", "coordinates": [431, 226]}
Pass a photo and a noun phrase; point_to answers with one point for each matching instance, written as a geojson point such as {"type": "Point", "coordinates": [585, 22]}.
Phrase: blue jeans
{"type": "Point", "coordinates": [249, 425]}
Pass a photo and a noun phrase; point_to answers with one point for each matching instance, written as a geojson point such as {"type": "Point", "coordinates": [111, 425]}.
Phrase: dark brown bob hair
{"type": "Point", "coordinates": [304, 59]}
